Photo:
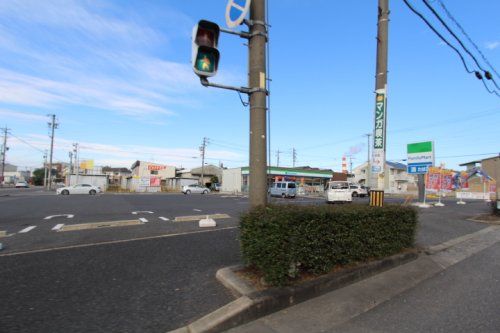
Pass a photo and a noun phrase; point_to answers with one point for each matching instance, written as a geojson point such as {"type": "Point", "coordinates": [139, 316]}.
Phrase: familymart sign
{"type": "Point", "coordinates": [420, 157]}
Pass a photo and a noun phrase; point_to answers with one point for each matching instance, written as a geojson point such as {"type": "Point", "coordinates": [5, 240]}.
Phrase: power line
{"type": "Point", "coordinates": [486, 73]}
{"type": "Point", "coordinates": [450, 16]}
{"type": "Point", "coordinates": [476, 73]}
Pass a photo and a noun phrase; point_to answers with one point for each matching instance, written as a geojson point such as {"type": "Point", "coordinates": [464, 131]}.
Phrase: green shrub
{"type": "Point", "coordinates": [282, 241]}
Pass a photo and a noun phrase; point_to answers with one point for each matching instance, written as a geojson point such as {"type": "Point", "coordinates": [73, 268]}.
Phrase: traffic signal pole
{"type": "Point", "coordinates": [258, 108]}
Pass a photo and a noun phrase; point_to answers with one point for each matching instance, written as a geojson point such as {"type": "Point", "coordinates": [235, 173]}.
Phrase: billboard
{"type": "Point", "coordinates": [420, 157]}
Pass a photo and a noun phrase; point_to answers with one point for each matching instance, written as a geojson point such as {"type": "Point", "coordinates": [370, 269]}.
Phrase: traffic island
{"type": "Point", "coordinates": [294, 253]}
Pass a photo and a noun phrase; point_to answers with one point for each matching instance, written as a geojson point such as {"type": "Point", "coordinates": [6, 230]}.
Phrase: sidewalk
{"type": "Point", "coordinates": [326, 313]}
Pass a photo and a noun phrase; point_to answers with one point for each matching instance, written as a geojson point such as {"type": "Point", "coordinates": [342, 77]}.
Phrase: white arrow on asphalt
{"type": "Point", "coordinates": [58, 227]}
{"type": "Point", "coordinates": [142, 211]}
{"type": "Point", "coordinates": [68, 216]}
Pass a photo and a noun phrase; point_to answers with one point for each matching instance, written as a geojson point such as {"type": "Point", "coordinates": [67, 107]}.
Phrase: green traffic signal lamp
{"type": "Point", "coordinates": [205, 57]}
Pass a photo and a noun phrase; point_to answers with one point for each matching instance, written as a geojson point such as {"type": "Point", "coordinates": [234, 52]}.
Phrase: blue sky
{"type": "Point", "coordinates": [117, 75]}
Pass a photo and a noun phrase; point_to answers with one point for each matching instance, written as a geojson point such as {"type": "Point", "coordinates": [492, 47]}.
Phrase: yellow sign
{"type": "Point", "coordinates": [87, 165]}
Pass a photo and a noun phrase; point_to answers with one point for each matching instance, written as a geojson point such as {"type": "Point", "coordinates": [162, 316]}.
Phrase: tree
{"type": "Point", "coordinates": [214, 179]}
{"type": "Point", "coordinates": [38, 175]}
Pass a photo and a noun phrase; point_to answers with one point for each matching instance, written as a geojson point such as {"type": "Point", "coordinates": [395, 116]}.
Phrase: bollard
{"type": "Point", "coordinates": [376, 198]}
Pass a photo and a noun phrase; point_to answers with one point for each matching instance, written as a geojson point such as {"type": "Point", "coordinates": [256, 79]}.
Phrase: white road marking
{"type": "Point", "coordinates": [142, 211]}
{"type": "Point", "coordinates": [143, 220]}
{"type": "Point", "coordinates": [27, 229]}
{"type": "Point", "coordinates": [164, 218]}
{"type": "Point", "coordinates": [68, 216]}
{"type": "Point", "coordinates": [58, 227]}
{"type": "Point", "coordinates": [197, 210]}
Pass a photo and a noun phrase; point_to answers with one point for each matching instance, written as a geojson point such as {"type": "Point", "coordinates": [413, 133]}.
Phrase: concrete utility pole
{"type": "Point", "coordinates": [77, 164]}
{"type": "Point", "coordinates": [203, 148]}
{"type": "Point", "coordinates": [294, 156]}
{"type": "Point", "coordinates": [258, 107]}
{"type": "Point", "coordinates": [278, 158]}
{"type": "Point", "coordinates": [70, 154]}
{"type": "Point", "coordinates": [368, 167]}
{"type": "Point", "coordinates": [381, 82]}
{"type": "Point", "coordinates": [45, 169]}
{"type": "Point", "coordinates": [4, 152]}
{"type": "Point", "coordinates": [53, 125]}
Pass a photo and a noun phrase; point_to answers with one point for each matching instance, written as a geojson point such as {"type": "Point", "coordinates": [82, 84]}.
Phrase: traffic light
{"type": "Point", "coordinates": [205, 57]}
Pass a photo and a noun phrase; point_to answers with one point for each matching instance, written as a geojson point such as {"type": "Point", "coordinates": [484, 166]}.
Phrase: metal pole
{"type": "Point", "coordinates": [278, 158]}
{"type": "Point", "coordinates": [203, 146]}
{"type": "Point", "coordinates": [258, 108]}
{"type": "Point", "coordinates": [381, 69]}
{"type": "Point", "coordinates": [77, 162]}
{"type": "Point", "coordinates": [53, 126]}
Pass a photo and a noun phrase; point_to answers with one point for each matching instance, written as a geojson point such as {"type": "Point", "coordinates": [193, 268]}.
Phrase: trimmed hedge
{"type": "Point", "coordinates": [283, 240]}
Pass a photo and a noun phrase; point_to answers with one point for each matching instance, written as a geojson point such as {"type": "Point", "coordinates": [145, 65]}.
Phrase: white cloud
{"type": "Point", "coordinates": [8, 114]}
{"type": "Point", "coordinates": [492, 45]}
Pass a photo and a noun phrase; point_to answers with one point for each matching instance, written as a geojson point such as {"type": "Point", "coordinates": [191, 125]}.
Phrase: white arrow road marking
{"type": "Point", "coordinates": [143, 220]}
{"type": "Point", "coordinates": [142, 211]}
{"type": "Point", "coordinates": [68, 216]}
{"type": "Point", "coordinates": [58, 227]}
{"type": "Point", "coordinates": [164, 218]}
{"type": "Point", "coordinates": [197, 210]}
{"type": "Point", "coordinates": [27, 229]}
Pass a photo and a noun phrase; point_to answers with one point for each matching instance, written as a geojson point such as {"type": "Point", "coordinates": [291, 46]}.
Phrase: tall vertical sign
{"type": "Point", "coordinates": [379, 133]}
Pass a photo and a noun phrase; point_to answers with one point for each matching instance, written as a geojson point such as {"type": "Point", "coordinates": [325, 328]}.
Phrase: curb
{"type": "Point", "coordinates": [253, 304]}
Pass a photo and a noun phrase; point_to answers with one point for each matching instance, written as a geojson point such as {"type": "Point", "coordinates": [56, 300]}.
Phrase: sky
{"type": "Point", "coordinates": [117, 75]}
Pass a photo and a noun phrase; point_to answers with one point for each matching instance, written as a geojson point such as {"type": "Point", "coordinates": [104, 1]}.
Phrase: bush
{"type": "Point", "coordinates": [282, 241]}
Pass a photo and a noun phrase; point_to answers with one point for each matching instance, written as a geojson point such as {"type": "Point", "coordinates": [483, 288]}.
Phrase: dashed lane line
{"type": "Point", "coordinates": [115, 242]}
{"type": "Point", "coordinates": [143, 220]}
{"type": "Point", "coordinates": [28, 229]}
{"type": "Point", "coordinates": [199, 217]}
{"type": "Point", "coordinates": [142, 212]}
{"type": "Point", "coordinates": [164, 218]}
{"type": "Point", "coordinates": [197, 210]}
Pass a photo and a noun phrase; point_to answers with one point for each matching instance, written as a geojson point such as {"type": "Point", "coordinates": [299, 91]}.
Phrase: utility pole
{"type": "Point", "coordinates": [380, 119]}
{"type": "Point", "coordinates": [203, 148]}
{"type": "Point", "coordinates": [45, 169]}
{"type": "Point", "coordinates": [258, 107]}
{"type": "Point", "coordinates": [368, 167]}
{"type": "Point", "coordinates": [278, 158]}
{"type": "Point", "coordinates": [294, 157]}
{"type": "Point", "coordinates": [4, 152]}
{"type": "Point", "coordinates": [53, 125]}
{"type": "Point", "coordinates": [70, 154]}
{"type": "Point", "coordinates": [77, 156]}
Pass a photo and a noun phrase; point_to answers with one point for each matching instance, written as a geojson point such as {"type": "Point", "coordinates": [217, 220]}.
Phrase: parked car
{"type": "Point", "coordinates": [338, 191]}
{"type": "Point", "coordinates": [283, 189]}
{"type": "Point", "coordinates": [216, 187]}
{"type": "Point", "coordinates": [358, 190]}
{"type": "Point", "coordinates": [195, 188]}
{"type": "Point", "coordinates": [22, 185]}
{"type": "Point", "coordinates": [79, 189]}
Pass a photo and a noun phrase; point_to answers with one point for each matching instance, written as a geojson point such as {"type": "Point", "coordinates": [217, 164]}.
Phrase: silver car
{"type": "Point", "coordinates": [284, 189]}
{"type": "Point", "coordinates": [195, 188]}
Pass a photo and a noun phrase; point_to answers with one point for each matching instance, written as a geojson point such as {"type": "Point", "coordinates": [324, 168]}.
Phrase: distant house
{"type": "Point", "coordinates": [116, 175]}
{"type": "Point", "coordinates": [148, 176]}
{"type": "Point", "coordinates": [399, 180]}
{"type": "Point", "coordinates": [491, 167]}
{"type": "Point", "coordinates": [12, 175]}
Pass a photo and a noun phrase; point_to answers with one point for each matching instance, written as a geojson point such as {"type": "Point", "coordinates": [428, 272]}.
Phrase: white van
{"type": "Point", "coordinates": [284, 189]}
{"type": "Point", "coordinates": [338, 191]}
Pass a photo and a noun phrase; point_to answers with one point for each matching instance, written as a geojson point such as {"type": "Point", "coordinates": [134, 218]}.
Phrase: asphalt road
{"type": "Point", "coordinates": [150, 277]}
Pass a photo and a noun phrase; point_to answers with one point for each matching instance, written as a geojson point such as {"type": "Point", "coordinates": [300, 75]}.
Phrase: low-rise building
{"type": "Point", "coordinates": [148, 176]}
{"type": "Point", "coordinates": [12, 175]}
{"type": "Point", "coordinates": [116, 175]}
{"type": "Point", "coordinates": [399, 180]}
{"type": "Point", "coordinates": [491, 167]}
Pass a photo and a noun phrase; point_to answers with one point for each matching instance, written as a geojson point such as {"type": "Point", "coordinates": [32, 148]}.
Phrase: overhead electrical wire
{"type": "Point", "coordinates": [476, 73]}
{"type": "Point", "coordinates": [451, 17]}
{"type": "Point", "coordinates": [436, 14]}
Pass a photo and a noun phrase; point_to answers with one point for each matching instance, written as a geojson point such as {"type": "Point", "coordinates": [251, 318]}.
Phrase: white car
{"type": "Point", "coordinates": [22, 184]}
{"type": "Point", "coordinates": [79, 189]}
{"type": "Point", "coordinates": [338, 191]}
{"type": "Point", "coordinates": [358, 190]}
{"type": "Point", "coordinates": [195, 188]}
